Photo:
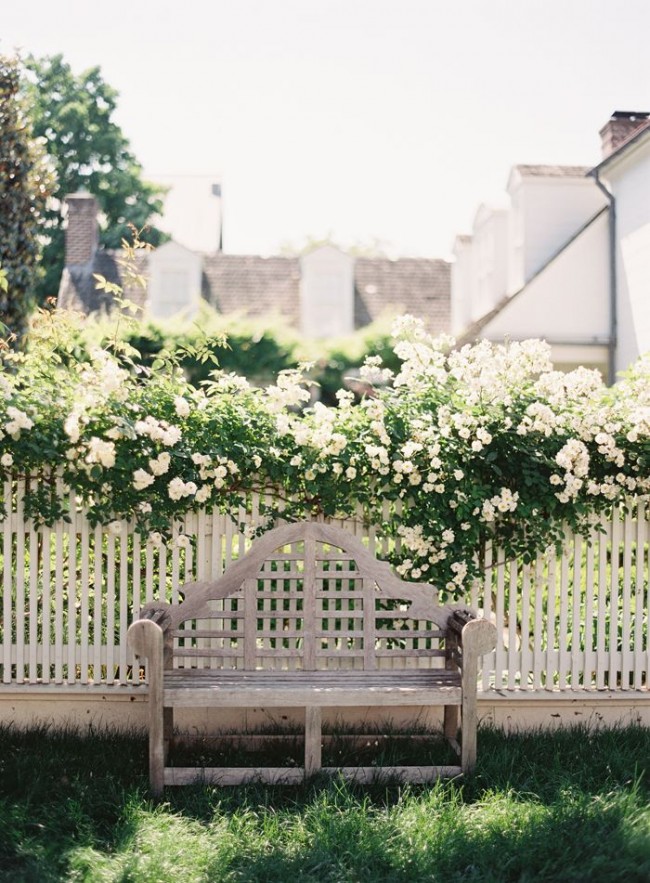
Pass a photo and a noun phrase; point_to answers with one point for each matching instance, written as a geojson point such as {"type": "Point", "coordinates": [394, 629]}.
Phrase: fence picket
{"type": "Point", "coordinates": [58, 592]}
{"type": "Point", "coordinates": [84, 589]}
{"type": "Point", "coordinates": [514, 656]}
{"type": "Point", "coordinates": [488, 666]}
{"type": "Point", "coordinates": [124, 601]}
{"type": "Point", "coordinates": [627, 591]}
{"type": "Point", "coordinates": [20, 563]}
{"type": "Point", "coordinates": [576, 618]}
{"type": "Point", "coordinates": [32, 673]}
{"type": "Point", "coordinates": [601, 642]}
{"type": "Point", "coordinates": [563, 634]}
{"type": "Point", "coordinates": [110, 608]}
{"type": "Point", "coordinates": [71, 672]}
{"type": "Point", "coordinates": [639, 562]}
{"type": "Point", "coordinates": [46, 607]}
{"type": "Point", "coordinates": [550, 620]}
{"type": "Point", "coordinates": [526, 653]}
{"type": "Point", "coordinates": [7, 579]}
{"type": "Point", "coordinates": [98, 582]}
{"type": "Point", "coordinates": [612, 675]}
{"type": "Point", "coordinates": [589, 664]}
{"type": "Point", "coordinates": [538, 650]}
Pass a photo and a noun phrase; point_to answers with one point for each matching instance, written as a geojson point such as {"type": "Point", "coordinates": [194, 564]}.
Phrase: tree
{"type": "Point", "coordinates": [74, 113]}
{"type": "Point", "coordinates": [25, 183]}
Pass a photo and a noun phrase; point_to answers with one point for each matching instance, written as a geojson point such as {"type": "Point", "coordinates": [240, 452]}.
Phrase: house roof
{"type": "Point", "coordinates": [258, 286]}
{"type": "Point", "coordinates": [78, 290]}
{"type": "Point", "coordinates": [416, 285]}
{"type": "Point", "coordinates": [474, 330]}
{"type": "Point", "coordinates": [252, 284]}
{"type": "Point", "coordinates": [546, 171]}
{"type": "Point", "coordinates": [636, 136]}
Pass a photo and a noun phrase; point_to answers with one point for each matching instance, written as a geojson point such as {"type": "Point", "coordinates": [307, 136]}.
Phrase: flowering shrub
{"type": "Point", "coordinates": [485, 442]}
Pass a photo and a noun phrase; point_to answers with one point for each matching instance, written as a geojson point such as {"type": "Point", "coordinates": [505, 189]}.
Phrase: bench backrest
{"type": "Point", "coordinates": [307, 596]}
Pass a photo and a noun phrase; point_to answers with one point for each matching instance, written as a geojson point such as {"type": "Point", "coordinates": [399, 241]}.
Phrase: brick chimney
{"type": "Point", "coordinates": [81, 235]}
{"type": "Point", "coordinates": [621, 125]}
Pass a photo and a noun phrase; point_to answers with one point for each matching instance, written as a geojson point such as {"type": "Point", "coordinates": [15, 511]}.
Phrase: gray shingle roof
{"type": "Point", "coordinates": [252, 284]}
{"type": "Point", "coordinates": [260, 286]}
{"type": "Point", "coordinates": [415, 285]}
{"type": "Point", "coordinates": [78, 289]}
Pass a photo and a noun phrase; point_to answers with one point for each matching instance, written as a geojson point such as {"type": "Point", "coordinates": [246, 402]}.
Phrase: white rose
{"type": "Point", "coordinates": [182, 406]}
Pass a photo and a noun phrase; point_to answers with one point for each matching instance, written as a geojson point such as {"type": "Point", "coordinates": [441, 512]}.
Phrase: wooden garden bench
{"type": "Point", "coordinates": [309, 618]}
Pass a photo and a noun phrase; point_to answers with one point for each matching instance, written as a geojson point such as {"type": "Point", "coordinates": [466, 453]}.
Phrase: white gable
{"type": "Point", "coordinates": [546, 212]}
{"type": "Point", "coordinates": [174, 281]}
{"type": "Point", "coordinates": [567, 303]}
{"type": "Point", "coordinates": [326, 293]}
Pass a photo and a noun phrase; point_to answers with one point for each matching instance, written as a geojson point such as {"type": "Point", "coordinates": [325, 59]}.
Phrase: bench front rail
{"type": "Point", "coordinates": [309, 618]}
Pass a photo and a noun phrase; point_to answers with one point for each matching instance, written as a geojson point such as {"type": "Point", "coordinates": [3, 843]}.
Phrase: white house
{"type": "Point", "coordinates": [563, 279]}
{"type": "Point", "coordinates": [625, 173]}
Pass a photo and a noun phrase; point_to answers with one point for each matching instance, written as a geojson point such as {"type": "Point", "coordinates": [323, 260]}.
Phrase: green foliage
{"type": "Point", "coordinates": [485, 443]}
{"type": "Point", "coordinates": [257, 349]}
{"type": "Point", "coordinates": [337, 361]}
{"type": "Point", "coordinates": [74, 113]}
{"type": "Point", "coordinates": [25, 183]}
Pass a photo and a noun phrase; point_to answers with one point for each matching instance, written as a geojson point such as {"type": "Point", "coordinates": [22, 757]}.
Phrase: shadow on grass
{"type": "Point", "coordinates": [571, 805]}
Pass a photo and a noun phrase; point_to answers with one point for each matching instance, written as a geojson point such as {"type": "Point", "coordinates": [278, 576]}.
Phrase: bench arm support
{"type": "Point", "coordinates": [146, 638]}
{"type": "Point", "coordinates": [474, 637]}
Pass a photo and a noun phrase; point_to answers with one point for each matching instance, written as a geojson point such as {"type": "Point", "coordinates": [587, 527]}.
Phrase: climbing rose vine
{"type": "Point", "coordinates": [486, 442]}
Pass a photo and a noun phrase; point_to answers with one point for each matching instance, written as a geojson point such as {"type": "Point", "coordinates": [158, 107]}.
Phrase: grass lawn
{"type": "Point", "coordinates": [567, 806]}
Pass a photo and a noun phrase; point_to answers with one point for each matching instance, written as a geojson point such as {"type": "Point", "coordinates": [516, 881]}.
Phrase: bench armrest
{"type": "Point", "coordinates": [475, 636]}
{"type": "Point", "coordinates": [145, 637]}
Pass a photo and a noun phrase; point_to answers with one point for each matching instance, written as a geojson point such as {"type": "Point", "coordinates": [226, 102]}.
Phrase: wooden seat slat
{"type": "Point", "coordinates": [210, 677]}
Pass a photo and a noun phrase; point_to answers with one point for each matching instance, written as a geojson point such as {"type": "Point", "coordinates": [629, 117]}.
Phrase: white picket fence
{"type": "Point", "coordinates": [577, 621]}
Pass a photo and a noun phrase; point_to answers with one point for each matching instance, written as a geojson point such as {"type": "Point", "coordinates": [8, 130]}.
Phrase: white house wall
{"type": "Point", "coordinates": [490, 247]}
{"type": "Point", "coordinates": [462, 285]}
{"type": "Point", "coordinates": [547, 212]}
{"type": "Point", "coordinates": [568, 301]}
{"type": "Point", "coordinates": [629, 181]}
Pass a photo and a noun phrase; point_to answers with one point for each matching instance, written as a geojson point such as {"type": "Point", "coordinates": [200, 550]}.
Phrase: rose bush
{"type": "Point", "coordinates": [485, 442]}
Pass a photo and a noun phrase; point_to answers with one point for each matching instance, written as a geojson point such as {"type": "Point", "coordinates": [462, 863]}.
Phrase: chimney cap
{"type": "Point", "coordinates": [631, 114]}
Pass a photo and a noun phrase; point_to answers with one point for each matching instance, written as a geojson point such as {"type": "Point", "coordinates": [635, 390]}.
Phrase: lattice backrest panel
{"type": "Point", "coordinates": [318, 600]}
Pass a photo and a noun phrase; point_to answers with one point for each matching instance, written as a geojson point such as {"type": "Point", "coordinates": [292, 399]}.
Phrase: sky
{"type": "Point", "coordinates": [361, 120]}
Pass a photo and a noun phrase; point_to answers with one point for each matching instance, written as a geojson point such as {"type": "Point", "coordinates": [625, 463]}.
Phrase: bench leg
{"type": "Point", "coordinates": [312, 739]}
{"type": "Point", "coordinates": [156, 748]}
{"type": "Point", "coordinates": [168, 730]}
{"type": "Point", "coordinates": [450, 725]}
{"type": "Point", "coordinates": [468, 730]}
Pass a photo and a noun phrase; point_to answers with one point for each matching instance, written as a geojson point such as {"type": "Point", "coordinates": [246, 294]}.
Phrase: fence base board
{"type": "Point", "coordinates": [125, 708]}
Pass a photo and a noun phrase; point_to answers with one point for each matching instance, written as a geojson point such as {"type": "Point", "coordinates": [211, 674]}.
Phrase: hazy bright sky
{"type": "Point", "coordinates": [366, 119]}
